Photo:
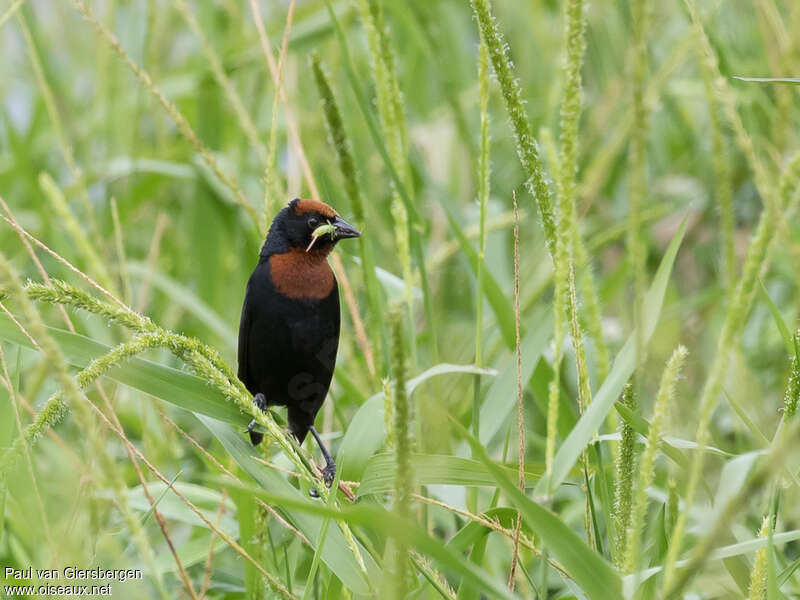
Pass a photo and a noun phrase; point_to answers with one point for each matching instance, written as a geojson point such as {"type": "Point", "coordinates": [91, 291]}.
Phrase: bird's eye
{"type": "Point", "coordinates": [313, 222]}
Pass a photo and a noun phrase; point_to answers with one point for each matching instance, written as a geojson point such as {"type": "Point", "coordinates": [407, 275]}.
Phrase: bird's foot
{"type": "Point", "coordinates": [329, 474]}
{"type": "Point", "coordinates": [261, 403]}
{"type": "Point", "coordinates": [256, 437]}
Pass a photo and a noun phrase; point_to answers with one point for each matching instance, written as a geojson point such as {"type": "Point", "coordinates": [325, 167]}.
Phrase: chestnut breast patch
{"type": "Point", "coordinates": [300, 274]}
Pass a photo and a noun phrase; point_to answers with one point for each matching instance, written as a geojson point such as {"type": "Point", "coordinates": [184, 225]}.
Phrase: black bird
{"type": "Point", "coordinates": [289, 330]}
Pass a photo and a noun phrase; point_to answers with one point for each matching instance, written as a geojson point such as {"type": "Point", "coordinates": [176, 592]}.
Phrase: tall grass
{"type": "Point", "coordinates": [640, 10]}
{"type": "Point", "coordinates": [139, 156]}
{"type": "Point", "coordinates": [624, 477]}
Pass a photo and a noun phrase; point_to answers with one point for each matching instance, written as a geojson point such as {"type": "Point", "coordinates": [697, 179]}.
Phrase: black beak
{"type": "Point", "coordinates": [344, 229]}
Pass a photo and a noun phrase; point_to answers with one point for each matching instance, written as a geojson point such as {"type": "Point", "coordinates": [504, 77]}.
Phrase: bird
{"type": "Point", "coordinates": [289, 327]}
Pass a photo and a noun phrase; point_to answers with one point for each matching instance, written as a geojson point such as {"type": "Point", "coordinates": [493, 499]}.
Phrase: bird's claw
{"type": "Point", "coordinates": [261, 402]}
{"type": "Point", "coordinates": [256, 436]}
{"type": "Point", "coordinates": [329, 474]}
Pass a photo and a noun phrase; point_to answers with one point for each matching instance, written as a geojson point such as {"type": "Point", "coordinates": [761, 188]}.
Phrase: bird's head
{"type": "Point", "coordinates": [308, 225]}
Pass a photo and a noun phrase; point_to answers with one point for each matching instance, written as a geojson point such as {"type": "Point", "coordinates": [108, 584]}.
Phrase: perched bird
{"type": "Point", "coordinates": [289, 329]}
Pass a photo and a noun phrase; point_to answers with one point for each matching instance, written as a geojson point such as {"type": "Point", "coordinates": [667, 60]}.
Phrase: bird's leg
{"type": "Point", "coordinates": [255, 436]}
{"type": "Point", "coordinates": [329, 472]}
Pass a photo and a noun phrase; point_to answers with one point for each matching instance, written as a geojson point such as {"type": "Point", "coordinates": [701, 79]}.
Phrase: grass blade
{"type": "Point", "coordinates": [624, 366]}
{"type": "Point", "coordinates": [171, 385]}
{"type": "Point", "coordinates": [366, 432]}
{"type": "Point", "coordinates": [389, 524]}
{"type": "Point", "coordinates": [779, 322]}
{"type": "Point", "coordinates": [792, 80]}
{"type": "Point", "coordinates": [335, 553]}
{"type": "Point", "coordinates": [432, 469]}
{"type": "Point", "coordinates": [589, 570]}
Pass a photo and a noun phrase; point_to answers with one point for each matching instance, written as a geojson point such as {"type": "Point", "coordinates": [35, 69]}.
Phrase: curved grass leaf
{"type": "Point", "coordinates": [784, 575]}
{"type": "Point", "coordinates": [595, 576]}
{"type": "Point", "coordinates": [539, 382]}
{"type": "Point", "coordinates": [791, 80]}
{"type": "Point", "coordinates": [641, 426]}
{"type": "Point", "coordinates": [366, 432]}
{"type": "Point", "coordinates": [335, 553]}
{"type": "Point", "coordinates": [164, 491]}
{"type": "Point", "coordinates": [323, 533]}
{"type": "Point", "coordinates": [248, 513]}
{"type": "Point", "coordinates": [165, 383]}
{"type": "Point", "coordinates": [473, 531]}
{"type": "Point", "coordinates": [745, 547]}
{"type": "Point", "coordinates": [748, 422]}
{"type": "Point", "coordinates": [779, 322]}
{"type": "Point", "coordinates": [390, 524]}
{"type": "Point", "coordinates": [476, 556]}
{"type": "Point", "coordinates": [623, 368]}
{"type": "Point", "coordinates": [172, 507]}
{"type": "Point", "coordinates": [431, 469]}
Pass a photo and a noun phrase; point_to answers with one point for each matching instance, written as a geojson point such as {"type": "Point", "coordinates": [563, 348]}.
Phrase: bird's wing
{"type": "Point", "coordinates": [244, 336]}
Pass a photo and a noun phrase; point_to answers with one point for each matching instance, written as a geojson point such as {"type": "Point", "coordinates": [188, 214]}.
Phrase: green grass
{"type": "Point", "coordinates": [653, 153]}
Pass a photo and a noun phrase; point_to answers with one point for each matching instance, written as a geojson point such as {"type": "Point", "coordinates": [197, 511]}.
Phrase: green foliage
{"type": "Point", "coordinates": [344, 153]}
{"type": "Point", "coordinates": [512, 94]}
{"type": "Point", "coordinates": [638, 165]}
{"type": "Point", "coordinates": [665, 397]}
{"type": "Point", "coordinates": [758, 576]}
{"type": "Point", "coordinates": [139, 156]}
{"type": "Point", "coordinates": [401, 417]}
{"type": "Point", "coordinates": [792, 394]}
{"type": "Point", "coordinates": [626, 462]}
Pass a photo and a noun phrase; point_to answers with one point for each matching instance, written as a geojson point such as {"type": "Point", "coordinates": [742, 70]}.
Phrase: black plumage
{"type": "Point", "coordinates": [289, 329]}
